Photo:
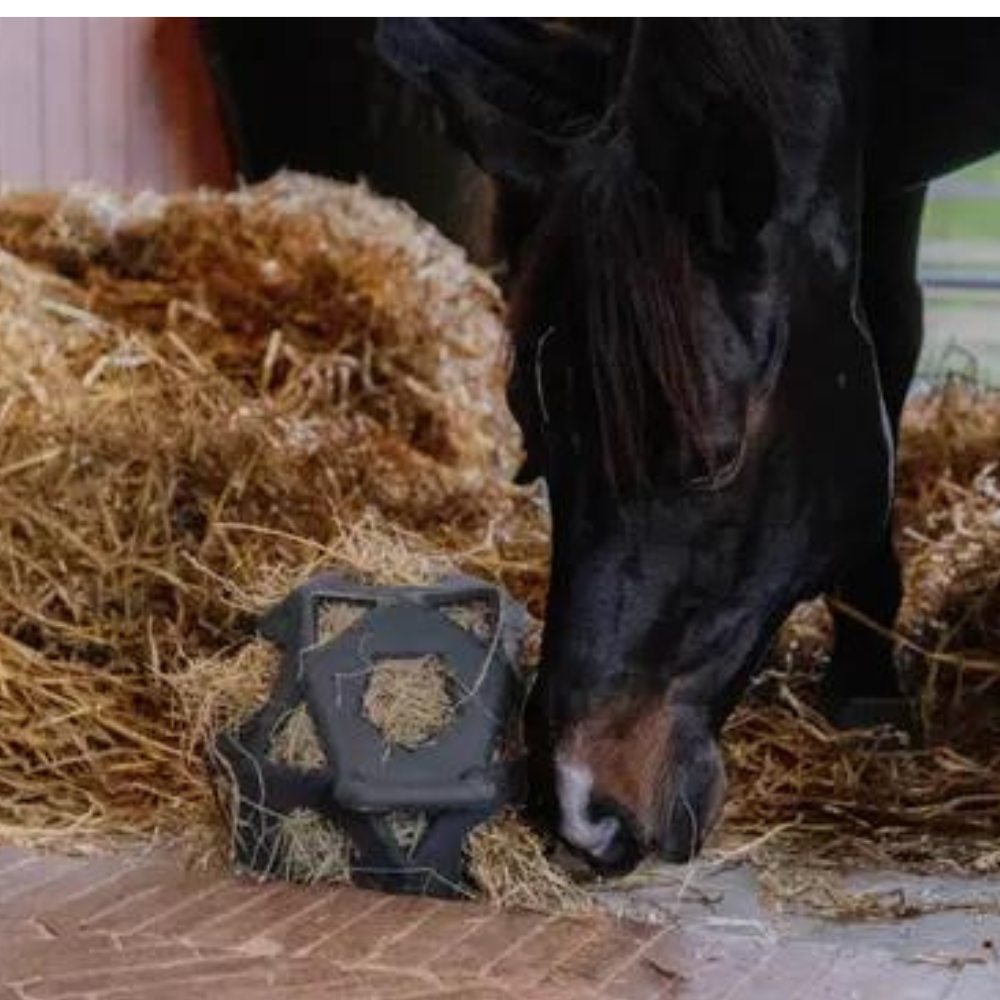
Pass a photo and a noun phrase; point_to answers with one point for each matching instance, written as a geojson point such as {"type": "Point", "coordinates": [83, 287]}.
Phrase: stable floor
{"type": "Point", "coordinates": [137, 926]}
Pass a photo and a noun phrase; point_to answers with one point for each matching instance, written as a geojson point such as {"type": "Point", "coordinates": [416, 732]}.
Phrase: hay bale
{"type": "Point", "coordinates": [302, 289]}
{"type": "Point", "coordinates": [207, 399]}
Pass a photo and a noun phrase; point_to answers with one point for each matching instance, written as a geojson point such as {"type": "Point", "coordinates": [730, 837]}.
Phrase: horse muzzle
{"type": "Point", "coordinates": [662, 797]}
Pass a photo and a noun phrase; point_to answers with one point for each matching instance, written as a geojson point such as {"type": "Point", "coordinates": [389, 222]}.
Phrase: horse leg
{"type": "Point", "coordinates": [861, 686]}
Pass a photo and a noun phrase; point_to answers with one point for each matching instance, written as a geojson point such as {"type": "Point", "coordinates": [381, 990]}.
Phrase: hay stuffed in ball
{"type": "Point", "coordinates": [409, 699]}
{"type": "Point", "coordinates": [399, 734]}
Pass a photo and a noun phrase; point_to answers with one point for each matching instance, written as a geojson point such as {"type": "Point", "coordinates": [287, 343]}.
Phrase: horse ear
{"type": "Point", "coordinates": [513, 91]}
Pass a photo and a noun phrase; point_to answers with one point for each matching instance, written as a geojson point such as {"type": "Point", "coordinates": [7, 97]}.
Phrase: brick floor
{"type": "Point", "coordinates": [138, 927]}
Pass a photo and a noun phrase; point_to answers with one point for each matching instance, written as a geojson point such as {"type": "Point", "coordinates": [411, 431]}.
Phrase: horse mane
{"type": "Point", "coordinates": [621, 252]}
{"type": "Point", "coordinates": [621, 264]}
{"type": "Point", "coordinates": [748, 59]}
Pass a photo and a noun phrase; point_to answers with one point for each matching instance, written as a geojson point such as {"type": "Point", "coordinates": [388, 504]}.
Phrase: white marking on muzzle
{"type": "Point", "coordinates": [573, 785]}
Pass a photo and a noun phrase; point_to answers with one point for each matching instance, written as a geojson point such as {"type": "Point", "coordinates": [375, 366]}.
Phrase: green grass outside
{"type": "Point", "coordinates": [963, 327]}
{"type": "Point", "coordinates": [963, 220]}
{"type": "Point", "coordinates": [967, 219]}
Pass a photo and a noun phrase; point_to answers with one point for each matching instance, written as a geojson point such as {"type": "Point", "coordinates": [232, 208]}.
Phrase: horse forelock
{"type": "Point", "coordinates": [611, 267]}
{"type": "Point", "coordinates": [611, 275]}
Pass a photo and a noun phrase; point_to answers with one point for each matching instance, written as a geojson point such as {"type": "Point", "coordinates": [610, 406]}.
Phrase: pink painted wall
{"type": "Point", "coordinates": [125, 102]}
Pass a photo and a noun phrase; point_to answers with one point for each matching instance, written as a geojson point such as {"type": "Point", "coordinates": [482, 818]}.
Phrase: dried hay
{"type": "Point", "coordinates": [205, 399]}
{"type": "Point", "coordinates": [409, 700]}
{"type": "Point", "coordinates": [507, 861]}
{"type": "Point", "coordinates": [311, 850]}
{"type": "Point", "coordinates": [220, 691]}
{"type": "Point", "coordinates": [825, 894]}
{"type": "Point", "coordinates": [476, 617]}
{"type": "Point", "coordinates": [866, 797]}
{"type": "Point", "coordinates": [295, 741]}
{"type": "Point", "coordinates": [336, 617]}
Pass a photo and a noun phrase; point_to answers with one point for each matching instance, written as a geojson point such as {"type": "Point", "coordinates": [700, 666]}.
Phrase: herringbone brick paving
{"type": "Point", "coordinates": [139, 927]}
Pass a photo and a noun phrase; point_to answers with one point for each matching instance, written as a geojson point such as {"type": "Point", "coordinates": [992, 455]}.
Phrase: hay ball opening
{"type": "Point", "coordinates": [334, 618]}
{"type": "Point", "coordinates": [407, 827]}
{"type": "Point", "coordinates": [295, 742]}
{"type": "Point", "coordinates": [311, 849]}
{"type": "Point", "coordinates": [477, 617]}
{"type": "Point", "coordinates": [410, 700]}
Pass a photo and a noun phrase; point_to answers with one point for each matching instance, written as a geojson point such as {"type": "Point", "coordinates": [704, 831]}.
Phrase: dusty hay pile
{"type": "Point", "coordinates": [826, 796]}
{"type": "Point", "coordinates": [204, 399]}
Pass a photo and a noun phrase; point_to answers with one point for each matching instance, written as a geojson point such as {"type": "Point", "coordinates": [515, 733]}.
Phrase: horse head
{"type": "Point", "coordinates": [680, 208]}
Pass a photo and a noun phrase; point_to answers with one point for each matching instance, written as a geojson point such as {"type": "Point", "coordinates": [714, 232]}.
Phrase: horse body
{"type": "Point", "coordinates": [694, 374]}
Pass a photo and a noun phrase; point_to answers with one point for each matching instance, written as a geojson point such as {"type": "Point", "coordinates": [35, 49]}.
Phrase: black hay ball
{"type": "Point", "coordinates": [392, 730]}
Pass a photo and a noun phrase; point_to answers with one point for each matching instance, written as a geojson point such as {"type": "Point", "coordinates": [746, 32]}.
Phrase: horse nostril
{"type": "Point", "coordinates": [603, 837]}
{"type": "Point", "coordinates": [589, 830]}
{"type": "Point", "coordinates": [622, 850]}
{"type": "Point", "coordinates": [596, 828]}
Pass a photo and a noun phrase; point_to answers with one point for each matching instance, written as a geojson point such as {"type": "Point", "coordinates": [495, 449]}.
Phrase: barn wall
{"type": "Point", "coordinates": [124, 102]}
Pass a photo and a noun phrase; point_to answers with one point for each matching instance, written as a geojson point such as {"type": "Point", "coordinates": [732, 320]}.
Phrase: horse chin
{"type": "Point", "coordinates": [679, 846]}
{"type": "Point", "coordinates": [692, 805]}
{"type": "Point", "coordinates": [622, 856]}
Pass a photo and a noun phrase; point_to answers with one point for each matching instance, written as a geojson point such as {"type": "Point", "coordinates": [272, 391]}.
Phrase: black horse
{"type": "Point", "coordinates": [711, 227]}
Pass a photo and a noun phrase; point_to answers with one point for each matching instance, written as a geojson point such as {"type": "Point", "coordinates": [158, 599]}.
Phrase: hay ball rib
{"type": "Point", "coordinates": [386, 740]}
